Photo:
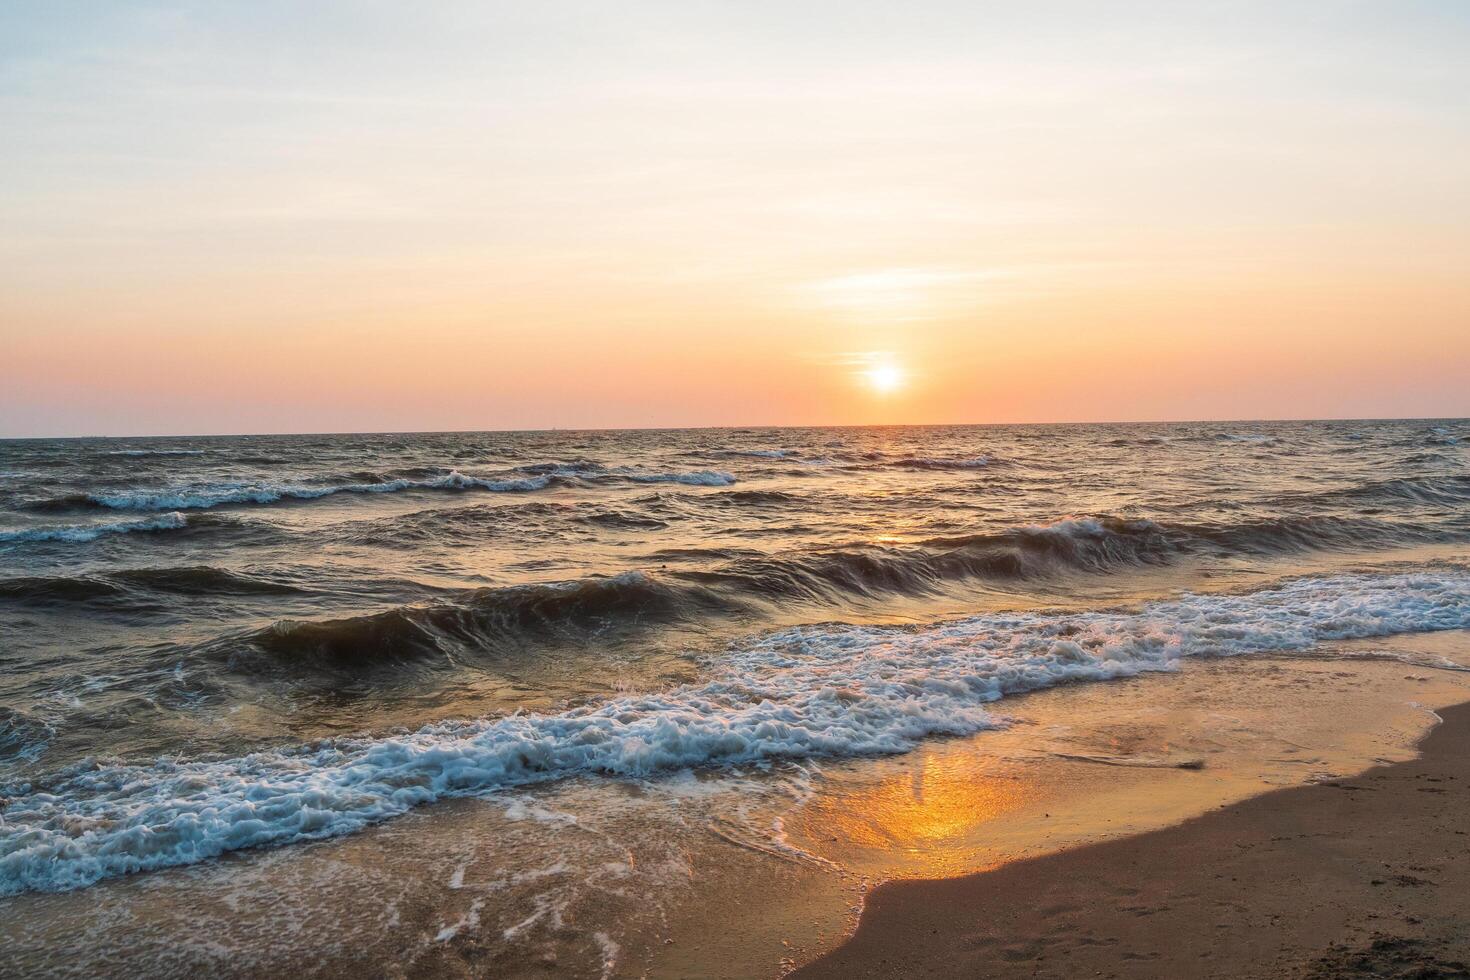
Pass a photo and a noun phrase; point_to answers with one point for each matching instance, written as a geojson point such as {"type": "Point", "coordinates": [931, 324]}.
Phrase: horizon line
{"type": "Point", "coordinates": [702, 428]}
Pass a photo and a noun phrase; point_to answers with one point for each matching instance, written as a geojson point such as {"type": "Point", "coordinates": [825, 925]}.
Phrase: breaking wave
{"type": "Point", "coordinates": [79, 533]}
{"type": "Point", "coordinates": [216, 495]}
{"type": "Point", "coordinates": [838, 692]}
{"type": "Point", "coordinates": [480, 621]}
{"type": "Point", "coordinates": [23, 737]}
{"type": "Point", "coordinates": [204, 496]}
{"type": "Point", "coordinates": [477, 620]}
{"type": "Point", "coordinates": [702, 478]}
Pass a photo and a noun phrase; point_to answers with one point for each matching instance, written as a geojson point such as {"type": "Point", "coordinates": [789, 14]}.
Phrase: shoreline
{"type": "Point", "coordinates": [785, 867]}
{"type": "Point", "coordinates": [781, 860]}
{"type": "Point", "coordinates": [1362, 876]}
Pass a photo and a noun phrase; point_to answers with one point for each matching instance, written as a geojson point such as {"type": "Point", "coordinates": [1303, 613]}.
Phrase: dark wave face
{"type": "Point", "coordinates": [151, 588]}
{"type": "Point", "coordinates": [478, 623]}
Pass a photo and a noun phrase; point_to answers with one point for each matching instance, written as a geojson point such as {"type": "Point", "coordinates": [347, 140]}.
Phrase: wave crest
{"type": "Point", "coordinates": [216, 495]}
{"type": "Point", "coordinates": [809, 692]}
{"type": "Point", "coordinates": [81, 533]}
{"type": "Point", "coordinates": [478, 620]}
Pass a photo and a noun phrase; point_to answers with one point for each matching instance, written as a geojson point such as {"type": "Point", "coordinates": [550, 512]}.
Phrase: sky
{"type": "Point", "coordinates": [377, 216]}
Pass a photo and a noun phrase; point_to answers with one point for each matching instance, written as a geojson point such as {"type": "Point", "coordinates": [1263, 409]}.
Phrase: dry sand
{"type": "Point", "coordinates": [1360, 877]}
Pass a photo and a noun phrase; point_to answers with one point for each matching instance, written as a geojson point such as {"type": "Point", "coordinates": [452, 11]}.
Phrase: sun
{"type": "Point", "coordinates": [885, 378]}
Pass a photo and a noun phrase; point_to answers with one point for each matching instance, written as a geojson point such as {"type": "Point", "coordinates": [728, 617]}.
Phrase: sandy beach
{"type": "Point", "coordinates": [1368, 876]}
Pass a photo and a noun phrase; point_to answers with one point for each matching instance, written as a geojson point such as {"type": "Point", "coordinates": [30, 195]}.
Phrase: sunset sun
{"type": "Point", "coordinates": [885, 378]}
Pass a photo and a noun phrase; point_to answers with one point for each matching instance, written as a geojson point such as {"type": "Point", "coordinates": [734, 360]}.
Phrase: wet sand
{"type": "Point", "coordinates": [1367, 876]}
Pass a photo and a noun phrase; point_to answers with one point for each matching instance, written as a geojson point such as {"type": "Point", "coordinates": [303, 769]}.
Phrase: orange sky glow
{"type": "Point", "coordinates": [357, 217]}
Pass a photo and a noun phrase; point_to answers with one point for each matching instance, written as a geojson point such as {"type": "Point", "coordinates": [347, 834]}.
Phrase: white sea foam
{"type": "Point", "coordinates": [470, 920]}
{"type": "Point", "coordinates": [218, 494]}
{"type": "Point", "coordinates": [1086, 527]}
{"type": "Point", "coordinates": [802, 693]}
{"type": "Point", "coordinates": [610, 951]}
{"type": "Point", "coordinates": [214, 495]}
{"type": "Point", "coordinates": [91, 532]}
{"type": "Point", "coordinates": [701, 478]}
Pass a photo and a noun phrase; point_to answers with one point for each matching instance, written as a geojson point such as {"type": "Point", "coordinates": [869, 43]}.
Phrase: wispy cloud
{"type": "Point", "coordinates": [906, 293]}
{"type": "Point", "coordinates": [855, 359]}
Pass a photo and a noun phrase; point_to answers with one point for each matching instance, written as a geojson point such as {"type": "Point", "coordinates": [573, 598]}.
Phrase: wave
{"type": "Point", "coordinates": [481, 620]}
{"type": "Point", "coordinates": [201, 580]}
{"type": "Point", "coordinates": [124, 585]}
{"type": "Point", "coordinates": [1291, 535]}
{"type": "Point", "coordinates": [589, 472]}
{"type": "Point", "coordinates": [941, 463]}
{"type": "Point", "coordinates": [156, 452]}
{"type": "Point", "coordinates": [1445, 491]}
{"type": "Point", "coordinates": [573, 468]}
{"type": "Point", "coordinates": [468, 526]}
{"type": "Point", "coordinates": [702, 478]}
{"type": "Point", "coordinates": [622, 520]}
{"type": "Point", "coordinates": [811, 692]}
{"type": "Point", "coordinates": [759, 453]}
{"type": "Point", "coordinates": [46, 589]}
{"type": "Point", "coordinates": [475, 621]}
{"type": "Point", "coordinates": [698, 554]}
{"type": "Point", "coordinates": [1420, 459]}
{"type": "Point", "coordinates": [449, 526]}
{"type": "Point", "coordinates": [1441, 491]}
{"type": "Point", "coordinates": [1089, 545]}
{"type": "Point", "coordinates": [79, 533]}
{"type": "Point", "coordinates": [1440, 435]}
{"type": "Point", "coordinates": [929, 566]}
{"type": "Point", "coordinates": [754, 497]}
{"type": "Point", "coordinates": [1122, 441]}
{"type": "Point", "coordinates": [485, 618]}
{"type": "Point", "coordinates": [1259, 438]}
{"type": "Point", "coordinates": [216, 495]}
{"type": "Point", "coordinates": [23, 737]}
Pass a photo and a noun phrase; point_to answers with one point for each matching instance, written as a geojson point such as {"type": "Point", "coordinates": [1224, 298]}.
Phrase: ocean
{"type": "Point", "coordinates": [501, 703]}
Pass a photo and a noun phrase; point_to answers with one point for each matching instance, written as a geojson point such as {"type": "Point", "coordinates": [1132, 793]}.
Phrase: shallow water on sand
{"type": "Point", "coordinates": [630, 702]}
